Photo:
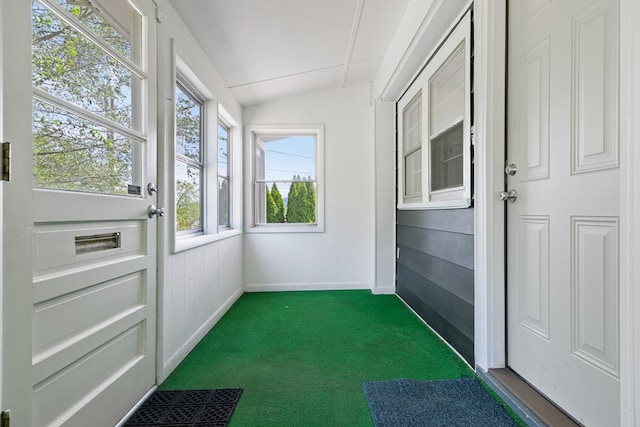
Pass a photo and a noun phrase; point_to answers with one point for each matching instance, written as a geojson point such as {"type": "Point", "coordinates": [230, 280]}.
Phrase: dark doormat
{"type": "Point", "coordinates": [178, 408]}
{"type": "Point", "coordinates": [405, 403]}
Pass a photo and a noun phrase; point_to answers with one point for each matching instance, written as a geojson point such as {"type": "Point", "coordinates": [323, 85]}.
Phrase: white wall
{"type": "Point", "coordinates": [423, 25]}
{"type": "Point", "coordinates": [195, 286]}
{"type": "Point", "coordinates": [342, 257]}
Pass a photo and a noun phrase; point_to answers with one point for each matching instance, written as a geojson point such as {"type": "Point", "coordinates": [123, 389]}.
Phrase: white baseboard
{"type": "Point", "coordinates": [189, 345]}
{"type": "Point", "coordinates": [311, 286]}
{"type": "Point", "coordinates": [384, 290]}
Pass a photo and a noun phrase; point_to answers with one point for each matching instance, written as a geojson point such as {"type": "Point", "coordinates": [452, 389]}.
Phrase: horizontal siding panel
{"type": "Point", "coordinates": [451, 220]}
{"type": "Point", "coordinates": [453, 247]}
{"type": "Point", "coordinates": [454, 278]}
{"type": "Point", "coordinates": [458, 313]}
{"type": "Point", "coordinates": [446, 330]}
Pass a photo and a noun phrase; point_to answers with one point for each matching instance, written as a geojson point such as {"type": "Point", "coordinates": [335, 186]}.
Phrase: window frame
{"type": "Point", "coordinates": [185, 87]}
{"type": "Point", "coordinates": [250, 198]}
{"type": "Point", "coordinates": [223, 123]}
{"type": "Point", "coordinates": [447, 198]}
{"type": "Point", "coordinates": [213, 111]}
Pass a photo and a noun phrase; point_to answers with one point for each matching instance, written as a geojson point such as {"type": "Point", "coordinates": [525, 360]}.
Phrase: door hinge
{"type": "Point", "coordinates": [6, 161]}
{"type": "Point", "coordinates": [5, 420]}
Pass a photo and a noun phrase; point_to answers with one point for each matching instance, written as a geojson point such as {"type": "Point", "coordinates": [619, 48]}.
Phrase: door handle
{"type": "Point", "coordinates": [511, 196]}
{"type": "Point", "coordinates": [155, 211]}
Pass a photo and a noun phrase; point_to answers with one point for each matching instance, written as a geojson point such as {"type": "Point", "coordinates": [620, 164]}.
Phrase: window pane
{"type": "Point", "coordinates": [290, 158]}
{"type": "Point", "coordinates": [446, 159]}
{"type": "Point", "coordinates": [71, 67]}
{"type": "Point", "coordinates": [288, 164]}
{"type": "Point", "coordinates": [224, 204]}
{"type": "Point", "coordinates": [412, 124]}
{"type": "Point", "coordinates": [447, 99]}
{"type": "Point", "coordinates": [223, 151]}
{"type": "Point", "coordinates": [413, 174]}
{"type": "Point", "coordinates": [188, 198]}
{"type": "Point", "coordinates": [118, 27]}
{"type": "Point", "coordinates": [188, 125]}
{"type": "Point", "coordinates": [71, 153]}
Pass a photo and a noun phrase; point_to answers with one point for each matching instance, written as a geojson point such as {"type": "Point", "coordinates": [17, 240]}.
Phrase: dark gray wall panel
{"type": "Point", "coordinates": [451, 334]}
{"type": "Point", "coordinates": [453, 247]}
{"type": "Point", "coordinates": [434, 271]}
{"type": "Point", "coordinates": [440, 300]}
{"type": "Point", "coordinates": [452, 220]}
{"type": "Point", "coordinates": [452, 277]}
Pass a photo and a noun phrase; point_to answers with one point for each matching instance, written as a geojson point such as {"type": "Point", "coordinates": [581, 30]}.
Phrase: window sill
{"type": "Point", "coordinates": [288, 228]}
{"type": "Point", "coordinates": [444, 204]}
{"type": "Point", "coordinates": [184, 243]}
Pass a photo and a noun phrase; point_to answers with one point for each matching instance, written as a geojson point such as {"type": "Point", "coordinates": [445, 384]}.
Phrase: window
{"type": "Point", "coordinates": [88, 82]}
{"type": "Point", "coordinates": [224, 178]}
{"type": "Point", "coordinates": [189, 162]}
{"type": "Point", "coordinates": [287, 178]}
{"type": "Point", "coordinates": [434, 129]}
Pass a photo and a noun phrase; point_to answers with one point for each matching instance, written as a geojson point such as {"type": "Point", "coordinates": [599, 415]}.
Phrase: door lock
{"type": "Point", "coordinates": [511, 169]}
{"type": "Point", "coordinates": [155, 211]}
{"type": "Point", "coordinates": [151, 188]}
{"type": "Point", "coordinates": [511, 196]}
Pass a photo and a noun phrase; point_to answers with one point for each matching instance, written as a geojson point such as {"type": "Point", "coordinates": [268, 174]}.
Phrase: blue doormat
{"type": "Point", "coordinates": [193, 408]}
{"type": "Point", "coordinates": [405, 403]}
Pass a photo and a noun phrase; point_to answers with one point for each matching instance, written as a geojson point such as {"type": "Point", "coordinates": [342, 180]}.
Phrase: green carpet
{"type": "Point", "coordinates": [301, 357]}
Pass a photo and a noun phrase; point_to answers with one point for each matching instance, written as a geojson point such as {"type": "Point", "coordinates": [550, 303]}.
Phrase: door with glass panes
{"type": "Point", "coordinates": [91, 291]}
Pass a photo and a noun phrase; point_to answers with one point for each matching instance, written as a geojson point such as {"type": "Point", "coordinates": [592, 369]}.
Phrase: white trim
{"type": "Point", "coordinates": [186, 242]}
{"type": "Point", "coordinates": [490, 21]}
{"type": "Point", "coordinates": [459, 197]}
{"type": "Point", "coordinates": [440, 204]}
{"type": "Point", "coordinates": [309, 286]}
{"type": "Point", "coordinates": [629, 210]}
{"type": "Point", "coordinates": [315, 129]}
{"type": "Point", "coordinates": [439, 19]}
{"type": "Point", "coordinates": [190, 344]}
{"type": "Point", "coordinates": [69, 107]}
{"type": "Point", "coordinates": [383, 290]}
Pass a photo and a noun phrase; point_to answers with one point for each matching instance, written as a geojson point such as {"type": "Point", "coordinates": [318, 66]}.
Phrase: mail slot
{"type": "Point", "coordinates": [97, 243]}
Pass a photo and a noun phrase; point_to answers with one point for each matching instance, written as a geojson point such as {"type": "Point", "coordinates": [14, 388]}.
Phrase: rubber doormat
{"type": "Point", "coordinates": [177, 408]}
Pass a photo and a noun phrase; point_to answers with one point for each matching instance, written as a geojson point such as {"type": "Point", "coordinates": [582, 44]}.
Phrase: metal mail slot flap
{"type": "Point", "coordinates": [97, 243]}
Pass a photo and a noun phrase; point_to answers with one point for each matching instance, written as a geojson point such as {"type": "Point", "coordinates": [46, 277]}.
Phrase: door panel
{"type": "Point", "coordinates": [80, 341]}
{"type": "Point", "coordinates": [563, 229]}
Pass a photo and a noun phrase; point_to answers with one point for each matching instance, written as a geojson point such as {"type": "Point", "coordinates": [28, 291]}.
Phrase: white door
{"type": "Point", "coordinates": [82, 257]}
{"type": "Point", "coordinates": [563, 228]}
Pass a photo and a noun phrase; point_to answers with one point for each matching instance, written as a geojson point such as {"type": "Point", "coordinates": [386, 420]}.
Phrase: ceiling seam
{"type": "Point", "coordinates": [352, 41]}
{"type": "Point", "coordinates": [284, 76]}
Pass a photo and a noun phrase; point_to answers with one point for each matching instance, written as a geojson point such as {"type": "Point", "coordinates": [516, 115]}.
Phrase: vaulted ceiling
{"type": "Point", "coordinates": [268, 50]}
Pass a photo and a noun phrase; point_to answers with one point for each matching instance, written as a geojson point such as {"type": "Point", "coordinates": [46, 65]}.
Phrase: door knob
{"type": "Point", "coordinates": [155, 211]}
{"type": "Point", "coordinates": [511, 196]}
{"type": "Point", "coordinates": [511, 169]}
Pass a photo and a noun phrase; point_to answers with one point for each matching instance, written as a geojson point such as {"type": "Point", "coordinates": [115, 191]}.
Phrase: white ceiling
{"type": "Point", "coordinates": [268, 50]}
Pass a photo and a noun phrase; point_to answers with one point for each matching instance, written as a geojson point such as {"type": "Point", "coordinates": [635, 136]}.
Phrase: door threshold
{"type": "Point", "coordinates": [531, 406]}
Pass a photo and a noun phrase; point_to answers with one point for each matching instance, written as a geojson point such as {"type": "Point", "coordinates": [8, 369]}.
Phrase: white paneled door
{"type": "Point", "coordinates": [563, 227]}
{"type": "Point", "coordinates": [80, 312]}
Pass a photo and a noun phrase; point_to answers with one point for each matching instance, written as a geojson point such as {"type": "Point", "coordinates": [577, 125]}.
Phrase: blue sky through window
{"type": "Point", "coordinates": [289, 156]}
